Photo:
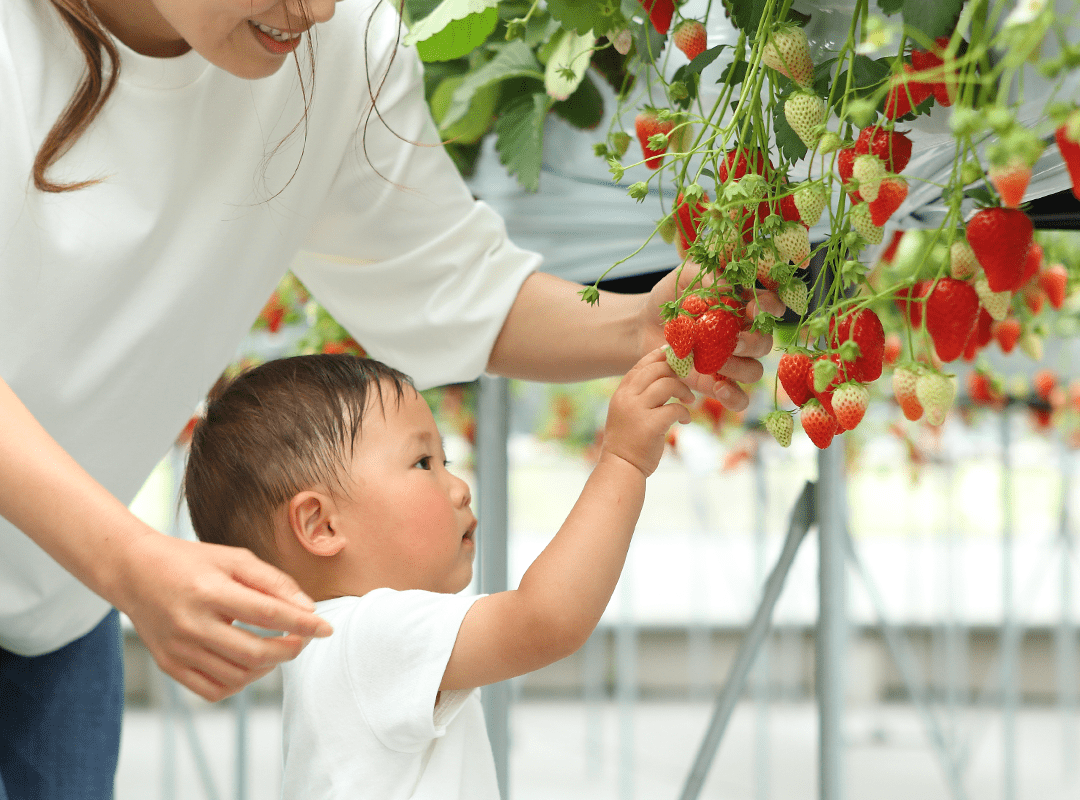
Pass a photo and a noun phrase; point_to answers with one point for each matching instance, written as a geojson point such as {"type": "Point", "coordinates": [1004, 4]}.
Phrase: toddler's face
{"type": "Point", "coordinates": [249, 38]}
{"type": "Point", "coordinates": [409, 514]}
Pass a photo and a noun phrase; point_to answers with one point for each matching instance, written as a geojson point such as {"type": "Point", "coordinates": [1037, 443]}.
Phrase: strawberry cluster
{"type": "Point", "coordinates": [702, 333]}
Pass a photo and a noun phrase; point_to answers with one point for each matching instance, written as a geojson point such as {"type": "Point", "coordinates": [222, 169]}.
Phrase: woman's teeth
{"type": "Point", "coordinates": [281, 36]}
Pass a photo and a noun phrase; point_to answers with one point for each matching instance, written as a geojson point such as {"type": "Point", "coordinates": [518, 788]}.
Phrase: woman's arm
{"type": "Point", "coordinates": [181, 596]}
{"type": "Point", "coordinates": [552, 335]}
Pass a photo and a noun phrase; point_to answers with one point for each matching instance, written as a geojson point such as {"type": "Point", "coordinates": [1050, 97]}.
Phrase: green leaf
{"type": "Point", "coordinates": [447, 12]}
{"type": "Point", "coordinates": [890, 7]}
{"type": "Point", "coordinates": [867, 78]}
{"type": "Point", "coordinates": [648, 42]}
{"type": "Point", "coordinates": [933, 17]}
{"type": "Point", "coordinates": [513, 60]}
{"type": "Point", "coordinates": [472, 125]}
{"type": "Point", "coordinates": [690, 82]}
{"type": "Point", "coordinates": [746, 14]}
{"type": "Point", "coordinates": [734, 73]}
{"type": "Point", "coordinates": [584, 108]}
{"type": "Point", "coordinates": [460, 37]}
{"type": "Point", "coordinates": [567, 64]}
{"type": "Point", "coordinates": [519, 132]}
{"type": "Point", "coordinates": [581, 16]}
{"type": "Point", "coordinates": [704, 58]}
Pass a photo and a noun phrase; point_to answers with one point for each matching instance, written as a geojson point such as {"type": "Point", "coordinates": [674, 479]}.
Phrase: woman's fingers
{"type": "Point", "coordinates": [264, 596]}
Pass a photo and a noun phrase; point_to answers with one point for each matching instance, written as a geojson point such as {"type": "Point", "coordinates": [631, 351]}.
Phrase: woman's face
{"type": "Point", "coordinates": [249, 38]}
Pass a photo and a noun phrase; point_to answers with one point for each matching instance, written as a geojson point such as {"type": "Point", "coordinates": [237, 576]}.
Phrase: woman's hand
{"type": "Point", "coordinates": [743, 367]}
{"type": "Point", "coordinates": [183, 597]}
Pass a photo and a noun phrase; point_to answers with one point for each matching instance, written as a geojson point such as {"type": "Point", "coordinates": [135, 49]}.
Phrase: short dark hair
{"type": "Point", "coordinates": [285, 426]}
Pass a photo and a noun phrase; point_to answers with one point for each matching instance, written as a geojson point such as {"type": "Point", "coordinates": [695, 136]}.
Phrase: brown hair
{"type": "Point", "coordinates": [96, 87]}
{"type": "Point", "coordinates": [276, 430]}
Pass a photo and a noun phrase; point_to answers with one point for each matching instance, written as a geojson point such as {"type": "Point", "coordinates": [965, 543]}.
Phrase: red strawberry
{"type": "Point", "coordinates": [980, 337]}
{"type": "Point", "coordinates": [952, 310]}
{"type": "Point", "coordinates": [825, 395]}
{"type": "Point", "coordinates": [845, 163]}
{"type": "Point", "coordinates": [864, 328]}
{"type": "Point", "coordinates": [893, 347]}
{"type": "Point", "coordinates": [273, 313]}
{"type": "Point", "coordinates": [1032, 264]}
{"type": "Point", "coordinates": [849, 403]}
{"type": "Point", "coordinates": [686, 219]}
{"type": "Point", "coordinates": [925, 60]}
{"type": "Point", "coordinates": [982, 390]}
{"type": "Point", "coordinates": [904, 381]}
{"type": "Point", "coordinates": [690, 37]}
{"type": "Point", "coordinates": [1011, 181]}
{"type": "Point", "coordinates": [818, 423]}
{"type": "Point", "coordinates": [891, 147]}
{"type": "Point", "coordinates": [789, 211]}
{"type": "Point", "coordinates": [1069, 147]}
{"type": "Point", "coordinates": [679, 333]}
{"type": "Point", "coordinates": [716, 332]}
{"type": "Point", "coordinates": [646, 124]}
{"type": "Point", "coordinates": [1044, 381]}
{"type": "Point", "coordinates": [695, 305]}
{"type": "Point", "coordinates": [737, 165]}
{"type": "Point", "coordinates": [892, 192]}
{"type": "Point", "coordinates": [1007, 333]}
{"type": "Point", "coordinates": [792, 372]}
{"type": "Point", "coordinates": [1054, 281]}
{"type": "Point", "coordinates": [660, 13]}
{"type": "Point", "coordinates": [890, 250]}
{"type": "Point", "coordinates": [905, 94]}
{"type": "Point", "coordinates": [910, 306]}
{"type": "Point", "coordinates": [1034, 297]}
{"type": "Point", "coordinates": [1000, 238]}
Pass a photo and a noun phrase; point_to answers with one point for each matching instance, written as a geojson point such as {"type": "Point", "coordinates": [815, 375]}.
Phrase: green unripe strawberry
{"type": "Point", "coordinates": [680, 366]}
{"type": "Point", "coordinates": [795, 295]}
{"type": "Point", "coordinates": [863, 223]}
{"type": "Point", "coordinates": [935, 393]}
{"type": "Point", "coordinates": [810, 200]}
{"type": "Point", "coordinates": [805, 113]}
{"type": "Point", "coordinates": [781, 425]}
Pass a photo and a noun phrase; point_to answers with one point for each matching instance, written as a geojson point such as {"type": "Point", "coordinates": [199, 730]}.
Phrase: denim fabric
{"type": "Point", "coordinates": [60, 718]}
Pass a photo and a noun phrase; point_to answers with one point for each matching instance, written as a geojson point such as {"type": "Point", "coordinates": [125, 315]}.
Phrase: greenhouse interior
{"type": "Point", "coordinates": [884, 607]}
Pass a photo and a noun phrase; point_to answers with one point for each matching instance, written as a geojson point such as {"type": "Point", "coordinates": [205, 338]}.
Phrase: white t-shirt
{"type": "Point", "coordinates": [120, 304]}
{"type": "Point", "coordinates": [361, 719]}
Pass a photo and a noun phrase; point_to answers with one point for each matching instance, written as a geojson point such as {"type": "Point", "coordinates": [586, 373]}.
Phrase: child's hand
{"type": "Point", "coordinates": [639, 414]}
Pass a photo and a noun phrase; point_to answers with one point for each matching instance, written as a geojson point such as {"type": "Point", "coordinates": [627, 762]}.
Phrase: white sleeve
{"type": "Point", "coordinates": [420, 273]}
{"type": "Point", "coordinates": [397, 647]}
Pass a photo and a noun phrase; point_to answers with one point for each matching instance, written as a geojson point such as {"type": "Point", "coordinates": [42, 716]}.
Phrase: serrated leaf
{"type": "Point", "coordinates": [690, 81]}
{"type": "Point", "coordinates": [746, 14]}
{"type": "Point", "coordinates": [867, 78]}
{"type": "Point", "coordinates": [459, 38]}
{"type": "Point", "coordinates": [648, 42]}
{"type": "Point", "coordinates": [519, 132]}
{"type": "Point", "coordinates": [581, 16]}
{"type": "Point", "coordinates": [445, 13]}
{"type": "Point", "coordinates": [890, 7]}
{"type": "Point", "coordinates": [734, 73]}
{"type": "Point", "coordinates": [933, 17]}
{"type": "Point", "coordinates": [514, 60]}
{"type": "Point", "coordinates": [704, 58]}
{"type": "Point", "coordinates": [567, 64]}
{"type": "Point", "coordinates": [584, 108]}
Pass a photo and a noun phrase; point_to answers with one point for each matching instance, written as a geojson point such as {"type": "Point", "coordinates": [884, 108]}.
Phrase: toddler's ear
{"type": "Point", "coordinates": [310, 522]}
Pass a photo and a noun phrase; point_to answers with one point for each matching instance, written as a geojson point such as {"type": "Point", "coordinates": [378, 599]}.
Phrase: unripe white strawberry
{"type": "Point", "coordinates": [962, 261]}
{"type": "Point", "coordinates": [935, 393]}
{"type": "Point", "coordinates": [864, 225]}
{"type": "Point", "coordinates": [765, 264]}
{"type": "Point", "coordinates": [781, 426]}
{"type": "Point", "coordinates": [869, 171]}
{"type": "Point", "coordinates": [680, 366]}
{"type": "Point", "coordinates": [810, 200]}
{"type": "Point", "coordinates": [904, 381]}
{"type": "Point", "coordinates": [795, 295]}
{"type": "Point", "coordinates": [622, 41]}
{"type": "Point", "coordinates": [805, 112]}
{"type": "Point", "coordinates": [793, 243]}
{"type": "Point", "coordinates": [788, 52]}
{"type": "Point", "coordinates": [1032, 345]}
{"type": "Point", "coordinates": [995, 303]}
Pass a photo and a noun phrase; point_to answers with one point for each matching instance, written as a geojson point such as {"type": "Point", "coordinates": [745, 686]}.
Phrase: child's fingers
{"type": "Point", "coordinates": [664, 388]}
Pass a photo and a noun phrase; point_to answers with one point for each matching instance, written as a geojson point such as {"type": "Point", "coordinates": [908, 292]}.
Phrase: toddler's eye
{"type": "Point", "coordinates": [424, 463]}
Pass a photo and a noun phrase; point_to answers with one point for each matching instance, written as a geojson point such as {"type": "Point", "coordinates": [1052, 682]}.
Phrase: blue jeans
{"type": "Point", "coordinates": [60, 718]}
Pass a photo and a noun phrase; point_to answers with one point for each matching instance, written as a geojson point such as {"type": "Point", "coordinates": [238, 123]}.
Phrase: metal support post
{"type": "Point", "coordinates": [832, 623]}
{"type": "Point", "coordinates": [1066, 643]}
{"type": "Point", "coordinates": [492, 432]}
{"type": "Point", "coordinates": [242, 704]}
{"type": "Point", "coordinates": [1009, 637]}
{"type": "Point", "coordinates": [802, 517]}
{"type": "Point", "coordinates": [762, 666]}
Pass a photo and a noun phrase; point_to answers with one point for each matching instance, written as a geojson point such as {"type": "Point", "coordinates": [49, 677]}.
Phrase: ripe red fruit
{"type": "Point", "coordinates": [952, 310]}
{"type": "Point", "coordinates": [1054, 281]}
{"type": "Point", "coordinates": [789, 211]}
{"type": "Point", "coordinates": [1000, 238]}
{"type": "Point", "coordinates": [716, 332]}
{"type": "Point", "coordinates": [686, 219]}
{"type": "Point", "coordinates": [891, 147]}
{"type": "Point", "coordinates": [892, 192]}
{"type": "Point", "coordinates": [1070, 153]}
{"type": "Point", "coordinates": [818, 423]}
{"type": "Point", "coordinates": [924, 60]}
{"type": "Point", "coordinates": [850, 401]}
{"type": "Point", "coordinates": [910, 306]}
{"type": "Point", "coordinates": [792, 372]}
{"type": "Point", "coordinates": [690, 37]}
{"type": "Point", "coordinates": [1007, 333]}
{"type": "Point", "coordinates": [736, 164]}
{"type": "Point", "coordinates": [863, 327]}
{"type": "Point", "coordinates": [893, 347]}
{"type": "Point", "coordinates": [660, 13]}
{"type": "Point", "coordinates": [645, 125]}
{"type": "Point", "coordinates": [1011, 182]}
{"type": "Point", "coordinates": [1032, 264]}
{"type": "Point", "coordinates": [679, 333]}
{"type": "Point", "coordinates": [1044, 382]}
{"type": "Point", "coordinates": [905, 95]}
{"type": "Point", "coordinates": [825, 396]}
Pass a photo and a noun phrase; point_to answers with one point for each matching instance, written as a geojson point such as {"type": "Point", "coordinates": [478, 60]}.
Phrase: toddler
{"type": "Point", "coordinates": [332, 468]}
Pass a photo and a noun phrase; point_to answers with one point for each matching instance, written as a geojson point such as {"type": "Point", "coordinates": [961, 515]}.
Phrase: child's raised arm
{"type": "Point", "coordinates": [564, 593]}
